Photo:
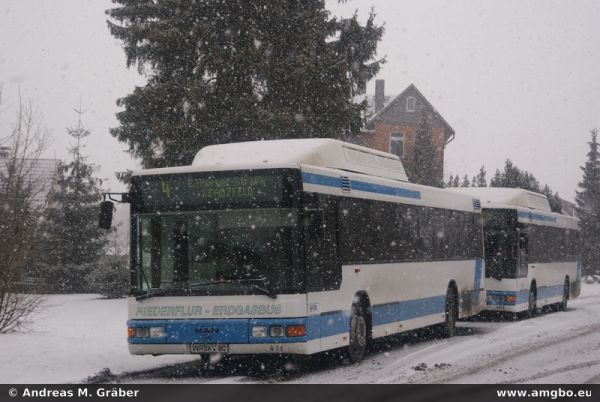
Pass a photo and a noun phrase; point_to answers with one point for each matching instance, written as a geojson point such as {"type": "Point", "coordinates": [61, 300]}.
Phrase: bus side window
{"type": "Point", "coordinates": [323, 270]}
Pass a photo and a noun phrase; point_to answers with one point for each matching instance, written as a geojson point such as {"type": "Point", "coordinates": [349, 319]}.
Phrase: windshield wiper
{"type": "Point", "coordinates": [152, 293]}
{"type": "Point", "coordinates": [247, 282]}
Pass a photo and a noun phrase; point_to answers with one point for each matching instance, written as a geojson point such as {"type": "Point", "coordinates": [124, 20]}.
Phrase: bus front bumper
{"type": "Point", "coordinates": [301, 348]}
{"type": "Point", "coordinates": [230, 336]}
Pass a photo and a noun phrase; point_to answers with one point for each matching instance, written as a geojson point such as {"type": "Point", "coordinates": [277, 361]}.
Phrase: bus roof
{"type": "Point", "coordinates": [531, 207]}
{"type": "Point", "coordinates": [320, 152]}
{"type": "Point", "coordinates": [509, 197]}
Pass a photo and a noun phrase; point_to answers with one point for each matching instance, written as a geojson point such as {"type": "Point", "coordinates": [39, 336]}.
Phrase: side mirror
{"type": "Point", "coordinates": [314, 223]}
{"type": "Point", "coordinates": [106, 215]}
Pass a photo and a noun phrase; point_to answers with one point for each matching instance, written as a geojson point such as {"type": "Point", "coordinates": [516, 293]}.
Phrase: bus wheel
{"type": "Point", "coordinates": [532, 308]}
{"type": "Point", "coordinates": [563, 305]}
{"type": "Point", "coordinates": [449, 328]}
{"type": "Point", "coordinates": [358, 334]}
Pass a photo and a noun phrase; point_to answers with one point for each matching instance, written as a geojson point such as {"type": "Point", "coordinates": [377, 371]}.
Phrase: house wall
{"type": "Point", "coordinates": [380, 140]}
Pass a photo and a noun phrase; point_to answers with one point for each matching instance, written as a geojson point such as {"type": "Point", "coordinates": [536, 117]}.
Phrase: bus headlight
{"type": "Point", "coordinates": [146, 332]}
{"type": "Point", "coordinates": [157, 332]}
{"type": "Point", "coordinates": [276, 331]}
{"type": "Point", "coordinates": [142, 332]}
{"type": "Point", "coordinates": [259, 331]}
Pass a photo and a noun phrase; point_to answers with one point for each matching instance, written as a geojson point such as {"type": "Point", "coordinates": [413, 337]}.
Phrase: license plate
{"type": "Point", "coordinates": [204, 348]}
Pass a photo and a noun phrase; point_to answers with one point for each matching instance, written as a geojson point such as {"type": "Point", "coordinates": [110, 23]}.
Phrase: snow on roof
{"type": "Point", "coordinates": [320, 152]}
{"type": "Point", "coordinates": [39, 173]}
{"type": "Point", "coordinates": [507, 196]}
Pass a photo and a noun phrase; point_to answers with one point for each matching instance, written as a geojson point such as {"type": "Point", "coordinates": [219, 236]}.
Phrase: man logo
{"type": "Point", "coordinates": [207, 330]}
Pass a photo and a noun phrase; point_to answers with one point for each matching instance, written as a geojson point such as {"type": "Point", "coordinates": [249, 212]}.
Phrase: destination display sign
{"type": "Point", "coordinates": [178, 191]}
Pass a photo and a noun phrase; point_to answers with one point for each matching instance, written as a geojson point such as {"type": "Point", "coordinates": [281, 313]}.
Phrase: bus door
{"type": "Point", "coordinates": [323, 269]}
{"type": "Point", "coordinates": [522, 251]}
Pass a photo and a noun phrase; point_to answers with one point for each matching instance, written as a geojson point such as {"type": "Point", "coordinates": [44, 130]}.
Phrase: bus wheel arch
{"type": "Point", "coordinates": [562, 306]}
{"type": "Point", "coordinates": [360, 327]}
{"type": "Point", "coordinates": [532, 300]}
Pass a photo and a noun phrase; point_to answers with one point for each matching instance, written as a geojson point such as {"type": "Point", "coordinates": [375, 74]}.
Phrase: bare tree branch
{"type": "Point", "coordinates": [20, 184]}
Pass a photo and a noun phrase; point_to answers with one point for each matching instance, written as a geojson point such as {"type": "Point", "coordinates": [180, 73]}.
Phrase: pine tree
{"type": "Point", "coordinates": [588, 209]}
{"type": "Point", "coordinates": [228, 71]}
{"type": "Point", "coordinates": [465, 182]}
{"type": "Point", "coordinates": [513, 177]}
{"type": "Point", "coordinates": [553, 199]}
{"type": "Point", "coordinates": [450, 181]}
{"type": "Point", "coordinates": [456, 182]}
{"type": "Point", "coordinates": [480, 180]}
{"type": "Point", "coordinates": [425, 169]}
{"type": "Point", "coordinates": [73, 241]}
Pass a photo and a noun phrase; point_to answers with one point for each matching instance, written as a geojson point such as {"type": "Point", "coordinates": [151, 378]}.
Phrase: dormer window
{"type": "Point", "coordinates": [411, 104]}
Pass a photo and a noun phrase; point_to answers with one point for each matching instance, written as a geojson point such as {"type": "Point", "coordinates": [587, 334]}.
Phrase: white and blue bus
{"type": "Point", "coordinates": [531, 253]}
{"type": "Point", "coordinates": [296, 247]}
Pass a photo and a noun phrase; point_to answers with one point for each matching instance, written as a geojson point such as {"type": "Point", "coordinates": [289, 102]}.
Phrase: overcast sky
{"type": "Point", "coordinates": [516, 79]}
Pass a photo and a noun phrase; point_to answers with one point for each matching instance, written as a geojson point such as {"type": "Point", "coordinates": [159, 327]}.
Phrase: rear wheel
{"type": "Point", "coordinates": [532, 306]}
{"type": "Point", "coordinates": [358, 334]}
{"type": "Point", "coordinates": [449, 326]}
{"type": "Point", "coordinates": [563, 305]}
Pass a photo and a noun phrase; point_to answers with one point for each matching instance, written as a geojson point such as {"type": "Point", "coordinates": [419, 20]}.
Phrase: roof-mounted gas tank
{"type": "Point", "coordinates": [326, 153]}
{"type": "Point", "coordinates": [514, 197]}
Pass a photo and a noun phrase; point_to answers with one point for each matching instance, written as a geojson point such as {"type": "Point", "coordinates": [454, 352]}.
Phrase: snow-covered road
{"type": "Point", "coordinates": [77, 336]}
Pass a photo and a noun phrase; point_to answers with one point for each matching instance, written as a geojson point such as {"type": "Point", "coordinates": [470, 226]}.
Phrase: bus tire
{"type": "Point", "coordinates": [532, 303]}
{"type": "Point", "coordinates": [449, 326]}
{"type": "Point", "coordinates": [358, 338]}
{"type": "Point", "coordinates": [562, 306]}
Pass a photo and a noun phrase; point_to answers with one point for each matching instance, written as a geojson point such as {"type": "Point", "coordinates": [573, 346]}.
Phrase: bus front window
{"type": "Point", "coordinates": [216, 248]}
{"type": "Point", "coordinates": [501, 244]}
{"type": "Point", "coordinates": [500, 259]}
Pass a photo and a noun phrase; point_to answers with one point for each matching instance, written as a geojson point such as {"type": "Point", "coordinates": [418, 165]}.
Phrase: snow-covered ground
{"type": "Point", "coordinates": [75, 337]}
{"type": "Point", "coordinates": [71, 338]}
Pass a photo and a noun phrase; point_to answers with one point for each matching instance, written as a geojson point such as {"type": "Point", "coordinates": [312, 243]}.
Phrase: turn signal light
{"type": "Point", "coordinates": [295, 330]}
{"type": "Point", "coordinates": [131, 332]}
{"type": "Point", "coordinates": [511, 298]}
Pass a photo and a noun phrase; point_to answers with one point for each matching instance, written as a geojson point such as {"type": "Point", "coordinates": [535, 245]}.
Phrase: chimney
{"type": "Point", "coordinates": [379, 95]}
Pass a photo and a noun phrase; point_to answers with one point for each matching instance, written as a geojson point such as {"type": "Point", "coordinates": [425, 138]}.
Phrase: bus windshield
{"type": "Point", "coordinates": [218, 251]}
{"type": "Point", "coordinates": [500, 243]}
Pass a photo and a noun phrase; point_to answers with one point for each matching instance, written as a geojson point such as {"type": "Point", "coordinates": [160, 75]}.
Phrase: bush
{"type": "Point", "coordinates": [66, 278]}
{"type": "Point", "coordinates": [110, 277]}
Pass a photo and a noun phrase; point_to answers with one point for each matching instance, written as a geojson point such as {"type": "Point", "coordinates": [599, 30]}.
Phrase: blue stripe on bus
{"type": "Point", "coordinates": [477, 280]}
{"type": "Point", "coordinates": [407, 310]}
{"type": "Point", "coordinates": [322, 180]}
{"type": "Point", "coordinates": [546, 292]}
{"type": "Point", "coordinates": [497, 297]}
{"type": "Point", "coordinates": [332, 324]}
{"type": "Point", "coordinates": [536, 217]}
{"type": "Point", "coordinates": [478, 274]}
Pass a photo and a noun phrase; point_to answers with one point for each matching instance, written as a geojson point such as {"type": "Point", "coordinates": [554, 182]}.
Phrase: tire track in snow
{"type": "Point", "coordinates": [493, 361]}
{"type": "Point", "coordinates": [549, 373]}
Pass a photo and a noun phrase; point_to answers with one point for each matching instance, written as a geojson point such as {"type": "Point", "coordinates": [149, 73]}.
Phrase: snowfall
{"type": "Point", "coordinates": [82, 338]}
